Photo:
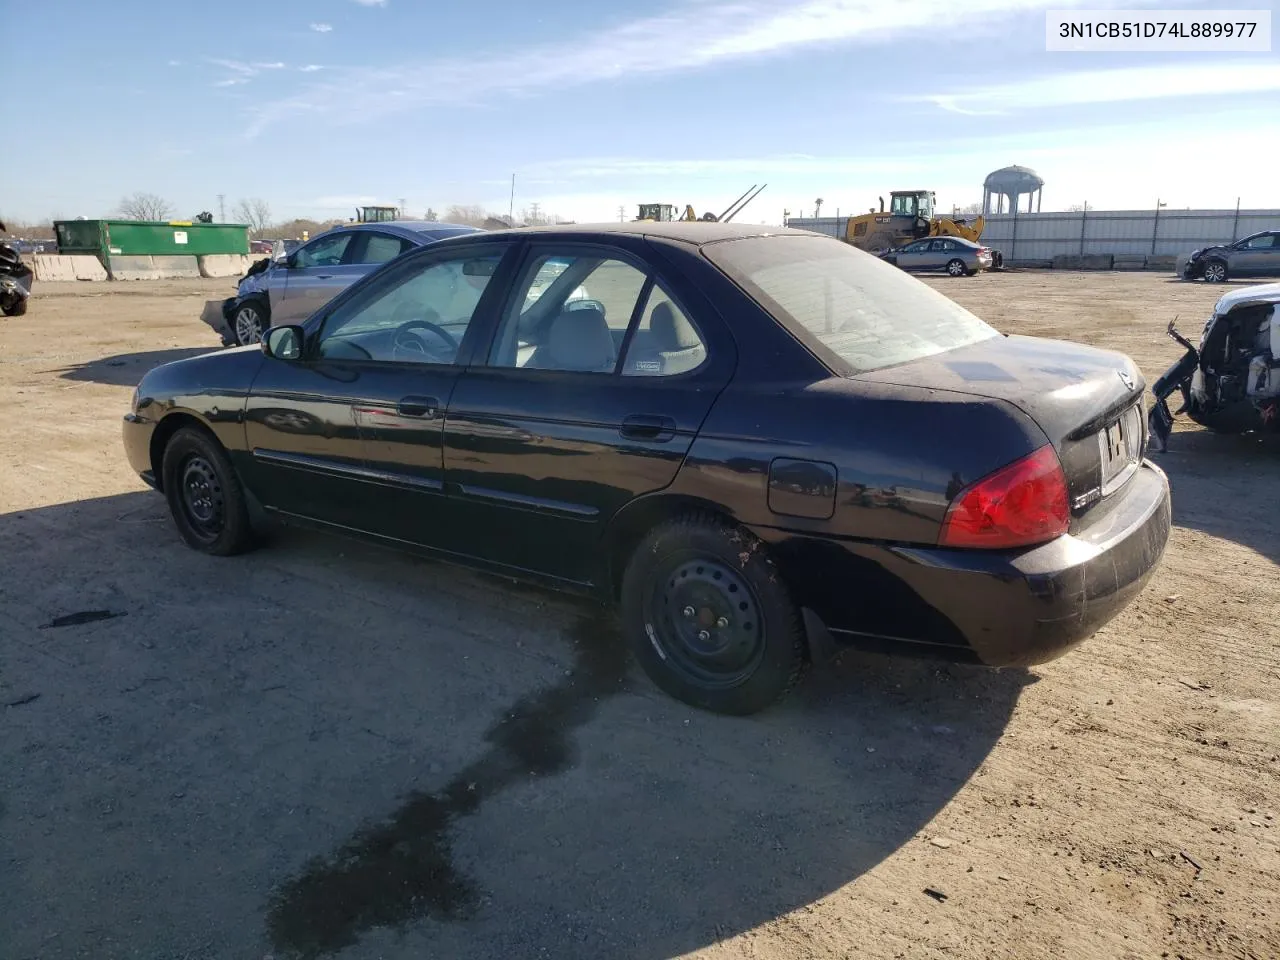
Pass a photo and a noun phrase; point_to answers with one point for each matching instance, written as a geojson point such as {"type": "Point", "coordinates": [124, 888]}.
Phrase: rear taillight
{"type": "Point", "coordinates": [1018, 505]}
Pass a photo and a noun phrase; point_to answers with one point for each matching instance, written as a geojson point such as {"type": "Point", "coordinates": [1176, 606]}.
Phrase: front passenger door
{"type": "Point", "coordinates": [313, 275]}
{"type": "Point", "coordinates": [912, 256]}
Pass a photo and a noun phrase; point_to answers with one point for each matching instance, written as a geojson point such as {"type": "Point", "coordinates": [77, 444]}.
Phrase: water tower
{"type": "Point", "coordinates": [1007, 186]}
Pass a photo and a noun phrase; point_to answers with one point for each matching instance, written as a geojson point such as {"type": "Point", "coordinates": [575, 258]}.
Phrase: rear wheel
{"type": "Point", "coordinates": [1215, 271]}
{"type": "Point", "coordinates": [204, 494]}
{"type": "Point", "coordinates": [957, 268]}
{"type": "Point", "coordinates": [16, 309]}
{"type": "Point", "coordinates": [709, 619]}
{"type": "Point", "coordinates": [249, 322]}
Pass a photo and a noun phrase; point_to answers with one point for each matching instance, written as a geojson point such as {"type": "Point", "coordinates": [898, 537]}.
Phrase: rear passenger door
{"type": "Point", "coordinates": [597, 379]}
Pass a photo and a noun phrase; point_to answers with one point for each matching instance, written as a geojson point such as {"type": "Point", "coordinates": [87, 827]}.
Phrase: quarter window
{"type": "Point", "coordinates": [665, 342]}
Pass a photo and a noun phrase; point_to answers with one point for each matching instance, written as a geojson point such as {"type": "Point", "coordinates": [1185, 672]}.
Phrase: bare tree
{"type": "Point", "coordinates": [970, 208]}
{"type": "Point", "coordinates": [145, 206]}
{"type": "Point", "coordinates": [1077, 208]}
{"type": "Point", "coordinates": [471, 214]}
{"type": "Point", "coordinates": [431, 215]}
{"type": "Point", "coordinates": [256, 212]}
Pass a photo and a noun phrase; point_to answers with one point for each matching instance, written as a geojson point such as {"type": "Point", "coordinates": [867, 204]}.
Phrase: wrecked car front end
{"type": "Point", "coordinates": [1230, 381]}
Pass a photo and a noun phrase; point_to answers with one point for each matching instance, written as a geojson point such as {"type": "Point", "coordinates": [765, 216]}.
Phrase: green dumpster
{"type": "Point", "coordinates": [145, 238]}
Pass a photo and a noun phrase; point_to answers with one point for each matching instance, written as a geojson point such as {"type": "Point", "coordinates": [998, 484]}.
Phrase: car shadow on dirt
{"type": "Point", "coordinates": [1220, 485]}
{"type": "Point", "coordinates": [322, 746]}
{"type": "Point", "coordinates": [126, 369]}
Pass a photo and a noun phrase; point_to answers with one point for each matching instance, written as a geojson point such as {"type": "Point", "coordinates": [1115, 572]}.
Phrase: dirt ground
{"type": "Point", "coordinates": [325, 749]}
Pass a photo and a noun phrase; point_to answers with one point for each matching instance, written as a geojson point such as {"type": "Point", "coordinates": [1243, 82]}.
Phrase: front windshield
{"type": "Point", "coordinates": [859, 310]}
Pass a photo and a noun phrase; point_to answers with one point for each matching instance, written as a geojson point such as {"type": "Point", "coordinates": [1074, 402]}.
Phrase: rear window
{"type": "Point", "coordinates": [866, 312]}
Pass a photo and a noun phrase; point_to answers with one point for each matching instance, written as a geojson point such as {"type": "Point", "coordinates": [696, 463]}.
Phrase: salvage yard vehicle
{"type": "Point", "coordinates": [1230, 382]}
{"type": "Point", "coordinates": [302, 281]}
{"type": "Point", "coordinates": [15, 280]}
{"type": "Point", "coordinates": [954, 255]}
{"type": "Point", "coordinates": [1254, 256]}
{"type": "Point", "coordinates": [762, 443]}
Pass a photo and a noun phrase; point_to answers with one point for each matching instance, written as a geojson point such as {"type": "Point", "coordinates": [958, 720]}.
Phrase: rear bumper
{"type": "Point", "coordinates": [1000, 608]}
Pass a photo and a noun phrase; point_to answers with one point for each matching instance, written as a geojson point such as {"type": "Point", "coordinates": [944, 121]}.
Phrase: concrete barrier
{"type": "Point", "coordinates": [152, 268]}
{"type": "Point", "coordinates": [223, 265]}
{"type": "Point", "coordinates": [1129, 261]}
{"type": "Point", "coordinates": [1090, 261]}
{"type": "Point", "coordinates": [1166, 263]}
{"type": "Point", "coordinates": [52, 268]}
{"type": "Point", "coordinates": [88, 268]}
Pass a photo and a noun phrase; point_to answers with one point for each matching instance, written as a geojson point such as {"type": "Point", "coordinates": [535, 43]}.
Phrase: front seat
{"type": "Point", "coordinates": [673, 344]}
{"type": "Point", "coordinates": [577, 340]}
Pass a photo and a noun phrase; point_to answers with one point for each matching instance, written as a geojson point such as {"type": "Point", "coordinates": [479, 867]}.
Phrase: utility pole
{"type": "Point", "coordinates": [533, 213]}
{"type": "Point", "coordinates": [222, 208]}
{"type": "Point", "coordinates": [622, 213]}
{"type": "Point", "coordinates": [402, 207]}
{"type": "Point", "coordinates": [511, 207]}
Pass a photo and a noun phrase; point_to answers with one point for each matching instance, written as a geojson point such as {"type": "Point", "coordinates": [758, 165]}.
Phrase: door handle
{"type": "Point", "coordinates": [644, 426]}
{"type": "Point", "coordinates": [324, 276]}
{"type": "Point", "coordinates": [424, 407]}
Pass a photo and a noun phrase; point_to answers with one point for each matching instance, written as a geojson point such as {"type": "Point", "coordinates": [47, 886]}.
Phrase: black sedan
{"type": "Point", "coordinates": [762, 443]}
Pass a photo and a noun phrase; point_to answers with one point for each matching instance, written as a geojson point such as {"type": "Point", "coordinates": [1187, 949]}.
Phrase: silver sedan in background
{"type": "Point", "coordinates": [294, 286]}
{"type": "Point", "coordinates": [955, 255]}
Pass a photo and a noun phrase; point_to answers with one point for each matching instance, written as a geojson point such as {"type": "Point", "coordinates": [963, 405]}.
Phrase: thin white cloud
{"type": "Point", "coordinates": [372, 3]}
{"type": "Point", "coordinates": [727, 30]}
{"type": "Point", "coordinates": [241, 72]}
{"type": "Point", "coordinates": [175, 63]}
{"type": "Point", "coordinates": [322, 27]}
{"type": "Point", "coordinates": [311, 68]}
{"type": "Point", "coordinates": [1219, 79]}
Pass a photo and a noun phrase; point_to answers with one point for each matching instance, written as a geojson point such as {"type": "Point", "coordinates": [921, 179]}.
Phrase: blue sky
{"type": "Point", "coordinates": [317, 106]}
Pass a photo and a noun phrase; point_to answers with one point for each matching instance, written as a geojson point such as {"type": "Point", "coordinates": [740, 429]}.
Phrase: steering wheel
{"type": "Point", "coordinates": [408, 339]}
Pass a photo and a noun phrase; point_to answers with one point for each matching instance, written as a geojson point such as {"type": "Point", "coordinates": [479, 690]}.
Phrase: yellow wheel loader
{"type": "Point", "coordinates": [910, 217]}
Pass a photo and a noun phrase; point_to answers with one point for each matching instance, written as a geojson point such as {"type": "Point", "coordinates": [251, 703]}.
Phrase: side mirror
{"type": "Point", "coordinates": [284, 343]}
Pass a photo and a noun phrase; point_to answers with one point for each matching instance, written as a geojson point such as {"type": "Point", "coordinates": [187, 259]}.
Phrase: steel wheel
{"type": "Point", "coordinates": [1215, 271]}
{"type": "Point", "coordinates": [707, 622]}
{"type": "Point", "coordinates": [201, 496]}
{"type": "Point", "coordinates": [956, 268]}
{"type": "Point", "coordinates": [248, 325]}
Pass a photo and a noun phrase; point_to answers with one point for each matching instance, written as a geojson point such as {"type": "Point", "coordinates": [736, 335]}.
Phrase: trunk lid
{"type": "Point", "coordinates": [1087, 401]}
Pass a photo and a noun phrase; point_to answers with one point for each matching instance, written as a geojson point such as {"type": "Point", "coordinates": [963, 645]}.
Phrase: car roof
{"type": "Point", "coordinates": [1259, 293]}
{"type": "Point", "coordinates": [693, 232]}
{"type": "Point", "coordinates": [414, 229]}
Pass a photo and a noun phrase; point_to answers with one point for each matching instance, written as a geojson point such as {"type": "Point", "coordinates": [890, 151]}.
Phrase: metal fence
{"type": "Point", "coordinates": [1043, 236]}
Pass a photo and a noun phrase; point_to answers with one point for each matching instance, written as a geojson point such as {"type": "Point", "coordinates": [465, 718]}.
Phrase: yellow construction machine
{"type": "Point", "coordinates": [666, 212]}
{"type": "Point", "coordinates": [910, 216]}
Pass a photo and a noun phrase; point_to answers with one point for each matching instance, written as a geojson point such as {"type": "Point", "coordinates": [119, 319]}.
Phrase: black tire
{"type": "Point", "coordinates": [956, 268]}
{"type": "Point", "coordinates": [204, 494]}
{"type": "Point", "coordinates": [1215, 271]}
{"type": "Point", "coordinates": [17, 310]}
{"type": "Point", "coordinates": [722, 573]}
{"type": "Point", "coordinates": [249, 322]}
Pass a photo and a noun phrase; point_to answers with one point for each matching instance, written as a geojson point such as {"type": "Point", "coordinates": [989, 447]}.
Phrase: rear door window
{"type": "Point", "coordinates": [852, 309]}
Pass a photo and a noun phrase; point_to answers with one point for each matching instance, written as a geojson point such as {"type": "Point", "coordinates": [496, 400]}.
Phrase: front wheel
{"type": "Point", "coordinates": [16, 309]}
{"type": "Point", "coordinates": [1215, 271]}
{"type": "Point", "coordinates": [204, 494]}
{"type": "Point", "coordinates": [249, 323]}
{"type": "Point", "coordinates": [709, 619]}
{"type": "Point", "coordinates": [957, 268]}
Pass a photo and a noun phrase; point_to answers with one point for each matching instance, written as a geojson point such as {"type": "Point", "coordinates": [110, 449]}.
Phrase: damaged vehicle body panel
{"type": "Point", "coordinates": [1257, 255]}
{"type": "Point", "coordinates": [1230, 381]}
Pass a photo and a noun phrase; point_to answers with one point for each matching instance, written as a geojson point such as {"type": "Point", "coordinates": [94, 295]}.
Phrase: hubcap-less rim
{"type": "Point", "coordinates": [202, 499]}
{"type": "Point", "coordinates": [706, 622]}
{"type": "Point", "coordinates": [956, 268]}
{"type": "Point", "coordinates": [1214, 272]}
{"type": "Point", "coordinates": [248, 326]}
